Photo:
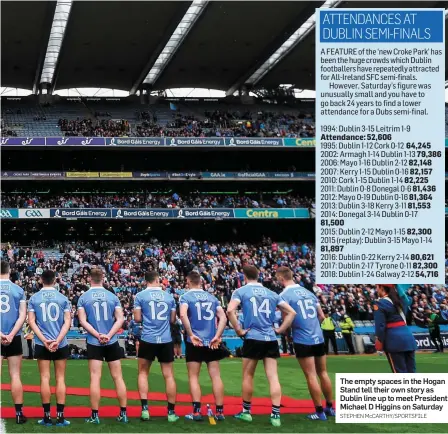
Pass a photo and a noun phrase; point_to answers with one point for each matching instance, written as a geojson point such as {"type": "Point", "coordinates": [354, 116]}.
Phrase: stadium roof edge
{"type": "Point", "coordinates": [187, 22]}
{"type": "Point", "coordinates": [153, 58]}
{"type": "Point", "coordinates": [57, 33]}
{"type": "Point", "coordinates": [115, 44]}
{"type": "Point", "coordinates": [301, 18]}
{"type": "Point", "coordinates": [296, 38]}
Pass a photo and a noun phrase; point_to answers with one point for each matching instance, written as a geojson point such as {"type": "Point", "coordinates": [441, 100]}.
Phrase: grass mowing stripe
{"type": "Point", "coordinates": [293, 385]}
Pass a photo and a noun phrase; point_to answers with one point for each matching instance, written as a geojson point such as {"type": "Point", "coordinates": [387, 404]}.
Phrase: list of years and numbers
{"type": "Point", "coordinates": [380, 161]}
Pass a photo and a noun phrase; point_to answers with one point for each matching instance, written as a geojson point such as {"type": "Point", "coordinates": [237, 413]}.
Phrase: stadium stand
{"type": "Point", "coordinates": [153, 200]}
{"type": "Point", "coordinates": [26, 117]}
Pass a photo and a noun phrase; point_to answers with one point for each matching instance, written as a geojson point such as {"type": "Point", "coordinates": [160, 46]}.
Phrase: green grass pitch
{"type": "Point", "coordinates": [291, 377]}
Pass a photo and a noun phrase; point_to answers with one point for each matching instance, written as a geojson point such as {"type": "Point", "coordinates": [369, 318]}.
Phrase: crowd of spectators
{"type": "Point", "coordinates": [217, 123]}
{"type": "Point", "coordinates": [95, 128]}
{"type": "Point", "coordinates": [7, 131]}
{"type": "Point", "coordinates": [230, 124]}
{"type": "Point", "coordinates": [220, 266]}
{"type": "Point", "coordinates": [152, 200]}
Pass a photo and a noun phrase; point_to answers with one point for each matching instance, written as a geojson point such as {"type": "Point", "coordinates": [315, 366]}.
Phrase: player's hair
{"type": "Point", "coordinates": [151, 276]}
{"type": "Point", "coordinates": [96, 276]}
{"type": "Point", "coordinates": [251, 272]}
{"type": "Point", "coordinates": [5, 267]}
{"type": "Point", "coordinates": [194, 277]}
{"type": "Point", "coordinates": [48, 277]}
{"type": "Point", "coordinates": [284, 272]}
{"type": "Point", "coordinates": [393, 295]}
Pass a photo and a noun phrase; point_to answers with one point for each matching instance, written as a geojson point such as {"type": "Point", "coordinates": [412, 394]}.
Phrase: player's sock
{"type": "Point", "coordinates": [19, 409]}
{"type": "Point", "coordinates": [60, 411]}
{"type": "Point", "coordinates": [276, 410]}
{"type": "Point", "coordinates": [247, 406]}
{"type": "Point", "coordinates": [47, 415]}
{"type": "Point", "coordinates": [144, 404]}
{"type": "Point", "coordinates": [94, 413]}
{"type": "Point", "coordinates": [319, 409]}
{"type": "Point", "coordinates": [171, 408]}
{"type": "Point", "coordinates": [329, 404]}
{"type": "Point", "coordinates": [122, 411]}
{"type": "Point", "coordinates": [196, 407]}
{"type": "Point", "coordinates": [220, 409]}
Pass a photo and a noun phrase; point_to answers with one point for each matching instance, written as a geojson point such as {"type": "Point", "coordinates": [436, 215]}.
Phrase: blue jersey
{"type": "Point", "coordinates": [11, 296]}
{"type": "Point", "coordinates": [306, 326]}
{"type": "Point", "coordinates": [99, 305]}
{"type": "Point", "coordinates": [49, 306]}
{"type": "Point", "coordinates": [258, 304]}
{"type": "Point", "coordinates": [202, 307]}
{"type": "Point", "coordinates": [156, 306]}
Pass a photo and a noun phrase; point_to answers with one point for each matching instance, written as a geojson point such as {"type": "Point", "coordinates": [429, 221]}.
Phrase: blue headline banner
{"type": "Point", "coordinates": [383, 25]}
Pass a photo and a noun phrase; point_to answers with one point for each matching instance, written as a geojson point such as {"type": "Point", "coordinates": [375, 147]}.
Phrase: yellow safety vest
{"type": "Point", "coordinates": [327, 324]}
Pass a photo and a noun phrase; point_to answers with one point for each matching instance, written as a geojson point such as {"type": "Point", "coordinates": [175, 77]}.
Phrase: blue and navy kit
{"type": "Point", "coordinates": [391, 330]}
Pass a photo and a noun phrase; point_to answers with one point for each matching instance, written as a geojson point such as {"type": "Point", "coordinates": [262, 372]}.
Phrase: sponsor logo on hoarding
{"type": "Point", "coordinates": [252, 175]}
{"type": "Point", "coordinates": [150, 174]}
{"type": "Point", "coordinates": [195, 141]}
{"type": "Point", "coordinates": [34, 213]}
{"type": "Point", "coordinates": [203, 213]}
{"type": "Point", "coordinates": [9, 213]}
{"type": "Point", "coordinates": [80, 213]}
{"type": "Point", "coordinates": [82, 175]}
{"type": "Point", "coordinates": [183, 174]}
{"type": "Point", "coordinates": [300, 142]}
{"type": "Point", "coordinates": [135, 141]}
{"type": "Point", "coordinates": [270, 213]}
{"type": "Point", "coordinates": [266, 214]}
{"type": "Point", "coordinates": [424, 342]}
{"type": "Point", "coordinates": [141, 213]}
{"type": "Point", "coordinates": [115, 174]}
{"type": "Point", "coordinates": [254, 141]}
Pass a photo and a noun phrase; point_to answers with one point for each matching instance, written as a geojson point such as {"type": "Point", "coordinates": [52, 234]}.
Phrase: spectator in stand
{"type": "Point", "coordinates": [148, 200]}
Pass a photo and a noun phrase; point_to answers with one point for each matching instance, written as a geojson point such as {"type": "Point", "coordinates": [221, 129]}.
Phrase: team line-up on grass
{"type": "Point", "coordinates": [204, 320]}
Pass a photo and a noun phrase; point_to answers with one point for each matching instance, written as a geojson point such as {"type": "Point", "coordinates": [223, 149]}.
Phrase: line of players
{"type": "Point", "coordinates": [204, 321]}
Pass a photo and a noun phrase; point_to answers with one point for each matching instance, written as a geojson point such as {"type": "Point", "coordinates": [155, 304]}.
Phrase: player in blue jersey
{"type": "Point", "coordinates": [200, 312]}
{"type": "Point", "coordinates": [49, 316]}
{"type": "Point", "coordinates": [260, 342]}
{"type": "Point", "coordinates": [308, 342]}
{"type": "Point", "coordinates": [12, 317]}
{"type": "Point", "coordinates": [157, 310]}
{"type": "Point", "coordinates": [101, 315]}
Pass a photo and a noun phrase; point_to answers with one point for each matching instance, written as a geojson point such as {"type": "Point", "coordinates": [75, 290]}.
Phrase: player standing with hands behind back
{"type": "Point", "coordinates": [308, 342]}
{"type": "Point", "coordinates": [198, 313]}
{"type": "Point", "coordinates": [12, 317]}
{"type": "Point", "coordinates": [260, 343]}
{"type": "Point", "coordinates": [157, 309]}
{"type": "Point", "coordinates": [49, 316]}
{"type": "Point", "coordinates": [101, 315]}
